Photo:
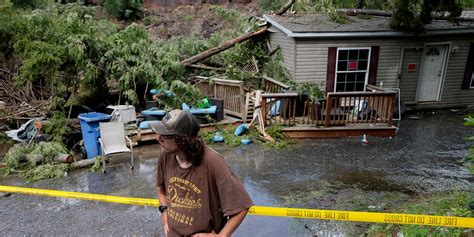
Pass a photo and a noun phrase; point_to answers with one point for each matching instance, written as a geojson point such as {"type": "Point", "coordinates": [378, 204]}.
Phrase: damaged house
{"type": "Point", "coordinates": [430, 70]}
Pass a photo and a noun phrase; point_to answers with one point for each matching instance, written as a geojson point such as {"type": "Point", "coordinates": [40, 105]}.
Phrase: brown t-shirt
{"type": "Point", "coordinates": [200, 198]}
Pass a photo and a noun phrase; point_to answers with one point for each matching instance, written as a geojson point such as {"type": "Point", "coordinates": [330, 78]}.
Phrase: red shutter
{"type": "Point", "coordinates": [331, 70]}
{"type": "Point", "coordinates": [374, 61]}
{"type": "Point", "coordinates": [466, 82]}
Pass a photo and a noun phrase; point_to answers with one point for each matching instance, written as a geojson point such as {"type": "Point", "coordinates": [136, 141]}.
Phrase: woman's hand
{"type": "Point", "coordinates": [164, 219]}
{"type": "Point", "coordinates": [212, 233]}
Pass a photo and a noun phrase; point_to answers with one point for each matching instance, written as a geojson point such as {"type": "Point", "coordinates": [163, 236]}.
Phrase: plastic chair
{"type": "Point", "coordinates": [112, 141]}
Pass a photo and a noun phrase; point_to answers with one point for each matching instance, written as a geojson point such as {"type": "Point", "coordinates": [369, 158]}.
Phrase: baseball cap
{"type": "Point", "coordinates": [176, 122]}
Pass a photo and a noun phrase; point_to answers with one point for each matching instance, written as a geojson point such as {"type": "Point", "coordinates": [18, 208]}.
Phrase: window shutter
{"type": "Point", "coordinates": [469, 68]}
{"type": "Point", "coordinates": [374, 62]}
{"type": "Point", "coordinates": [331, 69]}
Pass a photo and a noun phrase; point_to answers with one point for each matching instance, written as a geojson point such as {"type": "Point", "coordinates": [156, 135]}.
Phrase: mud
{"type": "Point", "coordinates": [343, 174]}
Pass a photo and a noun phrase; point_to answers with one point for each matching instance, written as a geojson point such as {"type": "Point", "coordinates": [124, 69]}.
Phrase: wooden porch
{"type": "Point", "coordinates": [340, 114]}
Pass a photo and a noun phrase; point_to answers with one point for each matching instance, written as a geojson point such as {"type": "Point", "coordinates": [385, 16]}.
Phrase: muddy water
{"type": "Point", "coordinates": [341, 174]}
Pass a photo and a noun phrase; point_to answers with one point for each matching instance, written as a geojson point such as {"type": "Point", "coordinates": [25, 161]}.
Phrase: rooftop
{"type": "Point", "coordinates": [314, 25]}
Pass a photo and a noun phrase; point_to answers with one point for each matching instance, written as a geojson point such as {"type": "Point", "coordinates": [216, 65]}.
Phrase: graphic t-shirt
{"type": "Point", "coordinates": [200, 198]}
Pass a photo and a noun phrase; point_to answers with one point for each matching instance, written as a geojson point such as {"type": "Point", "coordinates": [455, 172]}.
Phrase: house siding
{"type": "Point", "coordinates": [451, 91]}
{"type": "Point", "coordinates": [409, 79]}
{"type": "Point", "coordinates": [310, 63]}
{"type": "Point", "coordinates": [287, 49]}
{"type": "Point", "coordinates": [311, 59]}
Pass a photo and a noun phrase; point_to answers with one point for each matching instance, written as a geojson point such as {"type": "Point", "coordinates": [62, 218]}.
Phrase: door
{"type": "Point", "coordinates": [431, 75]}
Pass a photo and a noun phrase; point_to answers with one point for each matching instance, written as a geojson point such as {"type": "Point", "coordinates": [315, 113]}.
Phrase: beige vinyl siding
{"type": "Point", "coordinates": [409, 80]}
{"type": "Point", "coordinates": [311, 59]}
{"type": "Point", "coordinates": [287, 49]}
{"type": "Point", "coordinates": [306, 59]}
{"type": "Point", "coordinates": [451, 91]}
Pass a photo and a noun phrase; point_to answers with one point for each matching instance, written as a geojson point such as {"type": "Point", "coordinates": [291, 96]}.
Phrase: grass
{"type": "Point", "coordinates": [456, 203]}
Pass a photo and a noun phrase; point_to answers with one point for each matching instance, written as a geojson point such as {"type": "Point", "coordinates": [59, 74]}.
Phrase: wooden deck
{"type": "Point", "coordinates": [340, 114]}
{"type": "Point", "coordinates": [343, 131]}
{"type": "Point", "coordinates": [148, 134]}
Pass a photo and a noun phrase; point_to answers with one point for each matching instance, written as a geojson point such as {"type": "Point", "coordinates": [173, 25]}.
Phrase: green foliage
{"type": "Point", "coordinates": [57, 126]}
{"type": "Point", "coordinates": [47, 171]}
{"type": "Point", "coordinates": [327, 7]}
{"type": "Point", "coordinates": [188, 18]}
{"type": "Point", "coordinates": [49, 150]}
{"type": "Point", "coordinates": [469, 121]}
{"type": "Point", "coordinates": [186, 93]}
{"type": "Point", "coordinates": [124, 9]}
{"type": "Point", "coordinates": [274, 68]}
{"type": "Point", "coordinates": [469, 157]}
{"type": "Point", "coordinates": [405, 17]}
{"type": "Point", "coordinates": [16, 160]}
{"type": "Point", "coordinates": [438, 7]}
{"type": "Point", "coordinates": [15, 156]}
{"type": "Point", "coordinates": [60, 46]}
{"type": "Point", "coordinates": [148, 20]}
{"type": "Point", "coordinates": [5, 5]}
{"type": "Point", "coordinates": [271, 5]}
{"type": "Point", "coordinates": [281, 142]}
{"type": "Point", "coordinates": [412, 15]}
{"type": "Point", "coordinates": [275, 131]}
{"type": "Point", "coordinates": [467, 4]}
{"type": "Point", "coordinates": [4, 139]}
{"type": "Point", "coordinates": [97, 164]}
{"type": "Point", "coordinates": [235, 18]}
{"type": "Point", "coordinates": [30, 4]}
{"type": "Point", "coordinates": [311, 89]}
{"type": "Point", "coordinates": [128, 60]}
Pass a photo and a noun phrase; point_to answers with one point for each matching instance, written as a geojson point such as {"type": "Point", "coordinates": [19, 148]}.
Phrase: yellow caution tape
{"type": "Point", "coordinates": [393, 218]}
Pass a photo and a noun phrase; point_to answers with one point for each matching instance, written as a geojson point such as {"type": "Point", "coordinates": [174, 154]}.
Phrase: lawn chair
{"type": "Point", "coordinates": [112, 141]}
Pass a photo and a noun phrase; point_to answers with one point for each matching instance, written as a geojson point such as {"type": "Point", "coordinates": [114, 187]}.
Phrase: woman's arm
{"type": "Point", "coordinates": [160, 190]}
{"type": "Point", "coordinates": [229, 228]}
{"type": "Point", "coordinates": [233, 223]}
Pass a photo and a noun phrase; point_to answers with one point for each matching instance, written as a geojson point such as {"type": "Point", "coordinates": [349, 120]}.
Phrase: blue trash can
{"type": "Point", "coordinates": [90, 131]}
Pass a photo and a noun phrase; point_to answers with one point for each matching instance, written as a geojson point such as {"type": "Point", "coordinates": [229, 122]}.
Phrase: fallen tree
{"type": "Point", "coordinates": [208, 53]}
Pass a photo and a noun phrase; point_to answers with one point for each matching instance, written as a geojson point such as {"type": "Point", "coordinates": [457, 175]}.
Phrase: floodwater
{"type": "Point", "coordinates": [338, 174]}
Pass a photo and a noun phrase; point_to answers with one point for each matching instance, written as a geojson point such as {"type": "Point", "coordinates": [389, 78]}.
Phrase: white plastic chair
{"type": "Point", "coordinates": [112, 141]}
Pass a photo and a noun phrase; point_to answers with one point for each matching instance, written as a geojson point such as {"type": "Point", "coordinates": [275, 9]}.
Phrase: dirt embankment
{"type": "Point", "coordinates": [182, 20]}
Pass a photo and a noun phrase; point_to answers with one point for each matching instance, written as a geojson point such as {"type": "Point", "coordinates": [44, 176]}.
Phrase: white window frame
{"type": "Point", "coordinates": [471, 86]}
{"type": "Point", "coordinates": [353, 71]}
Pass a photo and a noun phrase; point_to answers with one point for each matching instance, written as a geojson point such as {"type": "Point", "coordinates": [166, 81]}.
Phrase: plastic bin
{"type": "Point", "coordinates": [90, 131]}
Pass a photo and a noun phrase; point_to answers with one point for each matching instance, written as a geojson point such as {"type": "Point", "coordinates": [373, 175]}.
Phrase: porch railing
{"type": "Point", "coordinates": [271, 85]}
{"type": "Point", "coordinates": [231, 91]}
{"type": "Point", "coordinates": [339, 108]}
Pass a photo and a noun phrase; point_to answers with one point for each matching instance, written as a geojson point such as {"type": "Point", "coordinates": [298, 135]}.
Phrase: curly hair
{"type": "Point", "coordinates": [192, 146]}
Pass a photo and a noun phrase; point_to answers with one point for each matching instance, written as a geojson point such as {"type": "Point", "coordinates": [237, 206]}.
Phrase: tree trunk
{"type": "Point", "coordinates": [355, 12]}
{"type": "Point", "coordinates": [64, 158]}
{"type": "Point", "coordinates": [210, 52]}
{"type": "Point", "coordinates": [286, 7]}
{"type": "Point", "coordinates": [82, 163]}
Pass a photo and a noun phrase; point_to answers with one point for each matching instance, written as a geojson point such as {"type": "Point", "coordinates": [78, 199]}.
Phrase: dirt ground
{"type": "Point", "coordinates": [184, 20]}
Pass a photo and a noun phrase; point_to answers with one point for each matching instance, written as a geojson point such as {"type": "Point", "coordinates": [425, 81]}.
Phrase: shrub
{"type": "Point", "coordinates": [124, 9]}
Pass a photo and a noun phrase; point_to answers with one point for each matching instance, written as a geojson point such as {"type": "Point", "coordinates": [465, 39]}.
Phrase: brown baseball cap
{"type": "Point", "coordinates": [176, 122]}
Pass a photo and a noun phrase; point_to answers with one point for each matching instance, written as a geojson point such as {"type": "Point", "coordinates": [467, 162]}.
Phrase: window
{"type": "Point", "coordinates": [352, 69]}
{"type": "Point", "coordinates": [468, 80]}
{"type": "Point", "coordinates": [472, 80]}
{"type": "Point", "coordinates": [432, 52]}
